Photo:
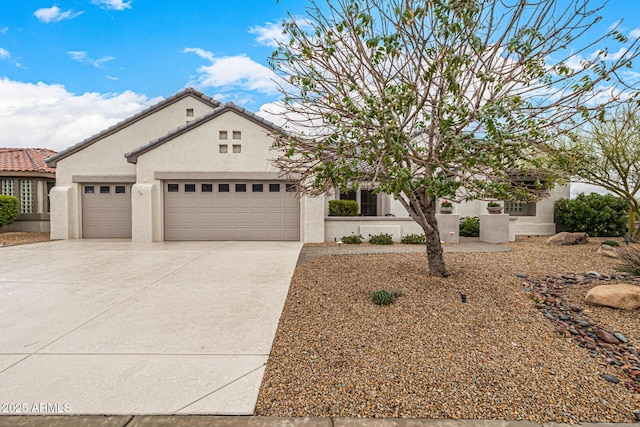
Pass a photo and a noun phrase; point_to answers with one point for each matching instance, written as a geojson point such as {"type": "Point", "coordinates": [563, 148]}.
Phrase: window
{"type": "Point", "coordinates": [7, 187]}
{"type": "Point", "coordinates": [290, 188]}
{"type": "Point", "coordinates": [26, 196]}
{"type": "Point", "coordinates": [206, 188]}
{"type": "Point", "coordinates": [237, 134]}
{"type": "Point", "coordinates": [89, 189]}
{"type": "Point", "coordinates": [222, 148]}
{"type": "Point", "coordinates": [274, 188]}
{"type": "Point", "coordinates": [241, 188]}
{"type": "Point", "coordinates": [519, 208]}
{"type": "Point", "coordinates": [257, 188]}
{"type": "Point", "coordinates": [367, 201]}
{"type": "Point", "coordinates": [237, 148]}
{"type": "Point", "coordinates": [350, 195]}
{"type": "Point", "coordinates": [223, 188]}
{"type": "Point", "coordinates": [189, 188]}
{"type": "Point", "coordinates": [189, 112]}
{"type": "Point", "coordinates": [50, 186]}
{"type": "Point", "coordinates": [120, 189]}
{"type": "Point", "coordinates": [172, 188]}
{"type": "Point", "coordinates": [105, 189]}
{"type": "Point", "coordinates": [222, 134]}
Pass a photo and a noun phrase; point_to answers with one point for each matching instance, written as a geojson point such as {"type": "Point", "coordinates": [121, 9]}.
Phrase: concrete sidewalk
{"type": "Point", "coordinates": [207, 421]}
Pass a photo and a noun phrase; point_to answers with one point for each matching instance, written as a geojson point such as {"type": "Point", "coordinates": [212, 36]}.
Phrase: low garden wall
{"type": "Point", "coordinates": [335, 227]}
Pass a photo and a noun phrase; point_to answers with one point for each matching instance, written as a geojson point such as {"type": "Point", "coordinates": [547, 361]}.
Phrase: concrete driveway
{"type": "Point", "coordinates": [114, 327]}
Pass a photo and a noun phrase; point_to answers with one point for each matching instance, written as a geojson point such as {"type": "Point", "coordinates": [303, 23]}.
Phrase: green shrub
{"type": "Point", "coordinates": [414, 239]}
{"type": "Point", "coordinates": [383, 297]}
{"type": "Point", "coordinates": [9, 209]}
{"type": "Point", "coordinates": [629, 260]}
{"type": "Point", "coordinates": [599, 215]}
{"type": "Point", "coordinates": [470, 226]}
{"type": "Point", "coordinates": [343, 208]}
{"type": "Point", "coordinates": [613, 243]}
{"type": "Point", "coordinates": [381, 239]}
{"type": "Point", "coordinates": [352, 240]}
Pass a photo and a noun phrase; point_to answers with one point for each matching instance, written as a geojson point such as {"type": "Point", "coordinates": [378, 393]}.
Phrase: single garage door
{"type": "Point", "coordinates": [231, 210]}
{"type": "Point", "coordinates": [106, 210]}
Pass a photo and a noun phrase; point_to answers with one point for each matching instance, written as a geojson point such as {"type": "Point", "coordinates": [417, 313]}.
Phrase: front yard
{"type": "Point", "coordinates": [429, 355]}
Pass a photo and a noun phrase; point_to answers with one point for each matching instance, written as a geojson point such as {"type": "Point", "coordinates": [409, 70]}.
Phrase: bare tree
{"type": "Point", "coordinates": [607, 153]}
{"type": "Point", "coordinates": [439, 98]}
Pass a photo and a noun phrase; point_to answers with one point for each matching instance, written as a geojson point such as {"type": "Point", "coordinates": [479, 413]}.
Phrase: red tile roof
{"type": "Point", "coordinates": [25, 160]}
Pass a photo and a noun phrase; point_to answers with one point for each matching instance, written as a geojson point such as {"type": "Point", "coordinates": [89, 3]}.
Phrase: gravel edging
{"type": "Point", "coordinates": [428, 355]}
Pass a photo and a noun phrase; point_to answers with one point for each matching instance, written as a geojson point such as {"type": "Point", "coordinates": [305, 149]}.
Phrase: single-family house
{"type": "Point", "coordinates": [191, 168]}
{"type": "Point", "coordinates": [25, 175]}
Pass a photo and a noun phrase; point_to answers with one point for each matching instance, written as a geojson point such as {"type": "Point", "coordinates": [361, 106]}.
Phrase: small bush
{"type": "Point", "coordinates": [352, 240]}
{"type": "Point", "coordinates": [414, 239]}
{"type": "Point", "coordinates": [383, 297]}
{"type": "Point", "coordinates": [470, 226]}
{"type": "Point", "coordinates": [609, 242]}
{"type": "Point", "coordinates": [343, 208]}
{"type": "Point", "coordinates": [599, 215]}
{"type": "Point", "coordinates": [9, 209]}
{"type": "Point", "coordinates": [629, 260]}
{"type": "Point", "coordinates": [381, 239]}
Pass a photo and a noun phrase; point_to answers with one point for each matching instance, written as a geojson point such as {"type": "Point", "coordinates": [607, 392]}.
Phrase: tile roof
{"type": "Point", "coordinates": [132, 157]}
{"type": "Point", "coordinates": [25, 160]}
{"type": "Point", "coordinates": [128, 121]}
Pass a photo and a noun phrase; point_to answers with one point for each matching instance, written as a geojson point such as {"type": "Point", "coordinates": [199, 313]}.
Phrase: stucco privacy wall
{"type": "Point", "coordinates": [196, 155]}
{"type": "Point", "coordinates": [104, 160]}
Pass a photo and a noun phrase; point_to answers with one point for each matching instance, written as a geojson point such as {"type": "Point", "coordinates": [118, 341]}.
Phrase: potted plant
{"type": "Point", "coordinates": [494, 208]}
{"type": "Point", "coordinates": [446, 207]}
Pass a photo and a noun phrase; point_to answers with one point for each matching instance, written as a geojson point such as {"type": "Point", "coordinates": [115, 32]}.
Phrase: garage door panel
{"type": "Point", "coordinates": [232, 215]}
{"type": "Point", "coordinates": [105, 212]}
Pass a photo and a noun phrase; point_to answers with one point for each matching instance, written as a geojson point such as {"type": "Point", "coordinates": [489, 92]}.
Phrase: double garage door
{"type": "Point", "coordinates": [231, 210]}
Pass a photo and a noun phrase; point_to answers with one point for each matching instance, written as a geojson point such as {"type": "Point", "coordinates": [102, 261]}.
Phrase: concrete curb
{"type": "Point", "coordinates": [239, 421]}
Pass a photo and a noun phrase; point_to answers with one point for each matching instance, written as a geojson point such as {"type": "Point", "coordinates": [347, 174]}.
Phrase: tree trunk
{"type": "Point", "coordinates": [435, 254]}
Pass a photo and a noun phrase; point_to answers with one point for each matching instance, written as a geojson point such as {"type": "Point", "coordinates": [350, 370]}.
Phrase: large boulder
{"type": "Point", "coordinates": [622, 295]}
{"type": "Point", "coordinates": [565, 239]}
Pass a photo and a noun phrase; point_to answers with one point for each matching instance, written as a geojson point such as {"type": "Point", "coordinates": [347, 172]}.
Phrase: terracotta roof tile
{"type": "Point", "coordinates": [25, 160]}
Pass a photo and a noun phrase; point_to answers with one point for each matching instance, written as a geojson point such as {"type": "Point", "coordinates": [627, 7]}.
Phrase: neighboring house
{"type": "Point", "coordinates": [190, 168]}
{"type": "Point", "coordinates": [25, 175]}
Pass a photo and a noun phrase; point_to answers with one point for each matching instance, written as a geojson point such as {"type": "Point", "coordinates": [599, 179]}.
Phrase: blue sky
{"type": "Point", "coordinates": [70, 68]}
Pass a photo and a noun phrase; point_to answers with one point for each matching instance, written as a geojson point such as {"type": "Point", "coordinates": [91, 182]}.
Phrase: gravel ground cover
{"type": "Point", "coordinates": [13, 238]}
{"type": "Point", "coordinates": [428, 355]}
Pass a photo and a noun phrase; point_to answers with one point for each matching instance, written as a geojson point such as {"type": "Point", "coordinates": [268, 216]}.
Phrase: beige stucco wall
{"type": "Point", "coordinates": [197, 152]}
{"type": "Point", "coordinates": [106, 157]}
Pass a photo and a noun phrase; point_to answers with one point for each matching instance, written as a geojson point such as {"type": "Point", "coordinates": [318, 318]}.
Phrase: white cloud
{"type": "Point", "coordinates": [113, 4]}
{"type": "Point", "coordinates": [609, 56]}
{"type": "Point", "coordinates": [200, 52]}
{"type": "Point", "coordinates": [4, 30]}
{"type": "Point", "coordinates": [578, 187]}
{"type": "Point", "coordinates": [48, 116]}
{"type": "Point", "coordinates": [115, 79]}
{"type": "Point", "coordinates": [83, 57]}
{"type": "Point", "coordinates": [4, 54]}
{"type": "Point", "coordinates": [635, 33]}
{"type": "Point", "coordinates": [269, 34]}
{"type": "Point", "coordinates": [54, 14]}
{"type": "Point", "coordinates": [615, 25]}
{"type": "Point", "coordinates": [234, 73]}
